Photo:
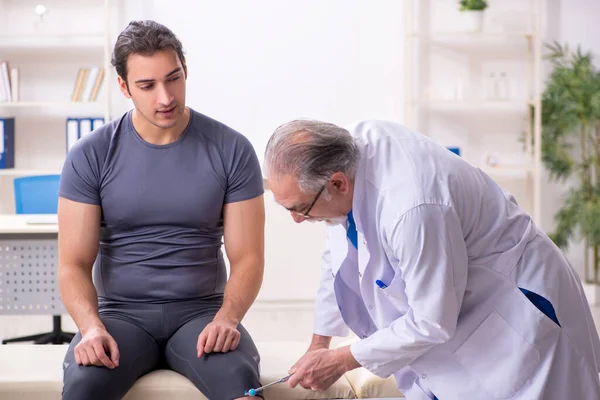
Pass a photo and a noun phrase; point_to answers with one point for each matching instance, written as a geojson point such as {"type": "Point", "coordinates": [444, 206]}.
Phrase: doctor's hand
{"type": "Point", "coordinates": [221, 335]}
{"type": "Point", "coordinates": [319, 369]}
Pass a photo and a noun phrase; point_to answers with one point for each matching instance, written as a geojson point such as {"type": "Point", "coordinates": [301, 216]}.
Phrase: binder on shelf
{"type": "Point", "coordinates": [72, 132]}
{"type": "Point", "coordinates": [85, 127]}
{"type": "Point", "coordinates": [455, 150]}
{"type": "Point", "coordinates": [79, 127]}
{"type": "Point", "coordinates": [97, 123]}
{"type": "Point", "coordinates": [7, 143]}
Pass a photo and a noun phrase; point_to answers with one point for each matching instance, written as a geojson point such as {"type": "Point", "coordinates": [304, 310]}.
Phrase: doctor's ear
{"type": "Point", "coordinates": [340, 183]}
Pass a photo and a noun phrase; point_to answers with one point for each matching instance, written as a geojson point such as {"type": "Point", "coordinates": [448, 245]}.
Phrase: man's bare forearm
{"type": "Point", "coordinates": [241, 290]}
{"type": "Point", "coordinates": [79, 297]}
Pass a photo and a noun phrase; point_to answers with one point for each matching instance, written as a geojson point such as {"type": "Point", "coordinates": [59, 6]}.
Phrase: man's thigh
{"type": "Point", "coordinates": [139, 354]}
{"type": "Point", "coordinates": [219, 376]}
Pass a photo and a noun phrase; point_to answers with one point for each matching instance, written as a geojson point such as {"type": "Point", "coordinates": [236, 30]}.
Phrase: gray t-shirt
{"type": "Point", "coordinates": [162, 205]}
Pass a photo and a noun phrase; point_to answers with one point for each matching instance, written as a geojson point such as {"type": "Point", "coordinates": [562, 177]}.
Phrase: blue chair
{"type": "Point", "coordinates": [39, 195]}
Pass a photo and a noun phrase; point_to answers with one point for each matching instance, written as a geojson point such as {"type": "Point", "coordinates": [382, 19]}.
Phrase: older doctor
{"type": "Point", "coordinates": [448, 284]}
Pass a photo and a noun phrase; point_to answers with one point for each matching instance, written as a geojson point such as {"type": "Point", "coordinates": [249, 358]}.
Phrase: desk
{"type": "Point", "coordinates": [29, 265]}
{"type": "Point", "coordinates": [11, 224]}
{"type": "Point", "coordinates": [29, 272]}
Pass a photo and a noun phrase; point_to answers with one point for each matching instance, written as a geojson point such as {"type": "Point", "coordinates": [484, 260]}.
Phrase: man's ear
{"type": "Point", "coordinates": [185, 70]}
{"type": "Point", "coordinates": [340, 183]}
{"type": "Point", "coordinates": [124, 87]}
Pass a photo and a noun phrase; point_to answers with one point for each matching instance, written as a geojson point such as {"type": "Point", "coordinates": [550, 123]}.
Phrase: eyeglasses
{"type": "Point", "coordinates": [305, 213]}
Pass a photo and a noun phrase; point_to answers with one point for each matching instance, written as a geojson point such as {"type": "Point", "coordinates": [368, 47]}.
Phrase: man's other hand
{"type": "Point", "coordinates": [220, 335]}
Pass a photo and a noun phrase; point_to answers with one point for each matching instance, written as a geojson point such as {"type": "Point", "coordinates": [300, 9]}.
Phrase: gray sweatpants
{"type": "Point", "coordinates": [152, 336]}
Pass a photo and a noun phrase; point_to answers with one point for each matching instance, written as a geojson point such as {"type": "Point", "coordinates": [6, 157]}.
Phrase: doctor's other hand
{"type": "Point", "coordinates": [319, 369]}
{"type": "Point", "coordinates": [97, 347]}
{"type": "Point", "coordinates": [219, 336]}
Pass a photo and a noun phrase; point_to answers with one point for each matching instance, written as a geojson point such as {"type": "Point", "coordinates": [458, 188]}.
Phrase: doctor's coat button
{"type": "Point", "coordinates": [370, 307]}
{"type": "Point", "coordinates": [332, 275]}
{"type": "Point", "coordinates": [424, 376]}
{"type": "Point", "coordinates": [363, 336]}
{"type": "Point", "coordinates": [359, 275]}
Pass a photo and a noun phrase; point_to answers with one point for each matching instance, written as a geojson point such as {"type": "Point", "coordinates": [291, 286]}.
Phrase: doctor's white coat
{"type": "Point", "coordinates": [454, 251]}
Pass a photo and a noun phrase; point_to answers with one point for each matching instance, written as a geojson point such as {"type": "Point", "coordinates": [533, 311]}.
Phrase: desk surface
{"type": "Point", "coordinates": [28, 223]}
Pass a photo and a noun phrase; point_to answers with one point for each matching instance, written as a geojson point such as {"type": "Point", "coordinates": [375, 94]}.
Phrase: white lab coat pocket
{"type": "Point", "coordinates": [396, 295]}
{"type": "Point", "coordinates": [498, 357]}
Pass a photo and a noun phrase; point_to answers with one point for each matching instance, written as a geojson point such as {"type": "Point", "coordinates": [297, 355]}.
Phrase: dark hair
{"type": "Point", "coordinates": [144, 38]}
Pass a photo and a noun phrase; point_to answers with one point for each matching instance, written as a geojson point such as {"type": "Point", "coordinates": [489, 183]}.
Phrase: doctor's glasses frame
{"type": "Point", "coordinates": [305, 213]}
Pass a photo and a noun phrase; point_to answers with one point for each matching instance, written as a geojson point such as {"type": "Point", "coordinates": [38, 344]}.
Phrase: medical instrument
{"type": "Point", "coordinates": [253, 392]}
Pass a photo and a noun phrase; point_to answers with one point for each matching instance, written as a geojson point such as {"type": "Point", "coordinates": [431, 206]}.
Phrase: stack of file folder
{"type": "Point", "coordinates": [80, 127]}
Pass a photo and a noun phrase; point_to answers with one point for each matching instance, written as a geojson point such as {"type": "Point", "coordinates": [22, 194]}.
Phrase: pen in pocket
{"type": "Point", "coordinates": [380, 284]}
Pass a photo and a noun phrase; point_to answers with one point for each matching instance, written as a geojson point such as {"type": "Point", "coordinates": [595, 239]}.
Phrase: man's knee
{"type": "Point", "coordinates": [89, 382]}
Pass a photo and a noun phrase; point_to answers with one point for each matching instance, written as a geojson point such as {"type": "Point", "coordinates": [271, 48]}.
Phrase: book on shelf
{"type": "Point", "coordinates": [7, 143]}
{"type": "Point", "coordinates": [9, 83]}
{"type": "Point", "coordinates": [87, 84]}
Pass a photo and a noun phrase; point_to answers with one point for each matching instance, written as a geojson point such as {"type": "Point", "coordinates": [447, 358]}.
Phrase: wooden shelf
{"type": "Point", "coordinates": [473, 38]}
{"type": "Point", "coordinates": [475, 105]}
{"type": "Point", "coordinates": [50, 103]}
{"type": "Point", "coordinates": [508, 171]}
{"type": "Point", "coordinates": [53, 42]}
{"type": "Point", "coordinates": [14, 172]}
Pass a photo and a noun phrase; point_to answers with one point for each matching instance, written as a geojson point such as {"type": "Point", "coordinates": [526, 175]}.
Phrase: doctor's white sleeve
{"type": "Point", "coordinates": [328, 318]}
{"type": "Point", "coordinates": [430, 254]}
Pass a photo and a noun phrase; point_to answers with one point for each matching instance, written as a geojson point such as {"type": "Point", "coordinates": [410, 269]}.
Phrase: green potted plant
{"type": "Point", "coordinates": [571, 150]}
{"type": "Point", "coordinates": [472, 10]}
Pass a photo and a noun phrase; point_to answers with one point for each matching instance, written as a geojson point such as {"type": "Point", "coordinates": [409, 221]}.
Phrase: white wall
{"type": "Point", "coordinates": [257, 64]}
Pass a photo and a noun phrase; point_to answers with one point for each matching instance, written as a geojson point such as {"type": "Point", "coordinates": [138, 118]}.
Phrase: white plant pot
{"type": "Point", "coordinates": [472, 20]}
{"type": "Point", "coordinates": [592, 292]}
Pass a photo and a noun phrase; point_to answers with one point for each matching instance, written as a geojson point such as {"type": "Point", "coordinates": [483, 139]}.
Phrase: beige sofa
{"type": "Point", "coordinates": [33, 372]}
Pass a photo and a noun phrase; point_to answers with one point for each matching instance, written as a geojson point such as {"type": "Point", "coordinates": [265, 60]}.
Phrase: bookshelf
{"type": "Point", "coordinates": [49, 52]}
{"type": "Point", "coordinates": [453, 79]}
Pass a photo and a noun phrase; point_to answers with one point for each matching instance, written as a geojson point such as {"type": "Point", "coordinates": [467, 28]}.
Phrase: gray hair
{"type": "Point", "coordinates": [311, 151]}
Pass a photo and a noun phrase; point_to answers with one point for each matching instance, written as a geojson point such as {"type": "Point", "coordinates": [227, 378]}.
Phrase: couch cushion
{"type": "Point", "coordinates": [368, 385]}
{"type": "Point", "coordinates": [29, 372]}
{"type": "Point", "coordinates": [164, 384]}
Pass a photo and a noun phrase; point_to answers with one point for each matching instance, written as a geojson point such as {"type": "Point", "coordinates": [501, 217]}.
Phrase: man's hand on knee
{"type": "Point", "coordinates": [95, 347]}
{"type": "Point", "coordinates": [218, 336]}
